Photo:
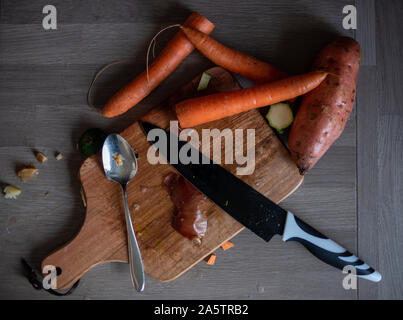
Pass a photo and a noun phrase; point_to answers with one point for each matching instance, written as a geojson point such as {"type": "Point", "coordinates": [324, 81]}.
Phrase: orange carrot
{"type": "Point", "coordinates": [167, 61]}
{"type": "Point", "coordinates": [211, 259]}
{"type": "Point", "coordinates": [227, 245]}
{"type": "Point", "coordinates": [251, 68]}
{"type": "Point", "coordinates": [193, 112]}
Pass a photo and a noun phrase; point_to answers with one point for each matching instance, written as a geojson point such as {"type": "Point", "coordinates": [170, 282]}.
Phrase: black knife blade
{"type": "Point", "coordinates": [249, 207]}
{"type": "Point", "coordinates": [254, 210]}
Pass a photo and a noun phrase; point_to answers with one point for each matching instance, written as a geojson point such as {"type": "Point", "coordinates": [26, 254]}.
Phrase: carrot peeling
{"type": "Point", "coordinates": [178, 48]}
{"type": "Point", "coordinates": [193, 112]}
{"type": "Point", "coordinates": [211, 259]}
{"type": "Point", "coordinates": [227, 245]}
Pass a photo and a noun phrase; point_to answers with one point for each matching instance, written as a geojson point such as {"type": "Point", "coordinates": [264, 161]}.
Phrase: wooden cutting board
{"type": "Point", "coordinates": [166, 254]}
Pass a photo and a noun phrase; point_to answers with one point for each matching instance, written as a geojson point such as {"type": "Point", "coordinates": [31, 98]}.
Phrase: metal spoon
{"type": "Point", "coordinates": [120, 165]}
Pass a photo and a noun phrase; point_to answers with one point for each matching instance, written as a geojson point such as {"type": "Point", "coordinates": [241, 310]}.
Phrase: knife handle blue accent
{"type": "Point", "coordinates": [325, 249]}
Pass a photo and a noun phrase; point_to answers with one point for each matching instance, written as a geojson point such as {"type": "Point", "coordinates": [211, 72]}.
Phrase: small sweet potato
{"type": "Point", "coordinates": [325, 110]}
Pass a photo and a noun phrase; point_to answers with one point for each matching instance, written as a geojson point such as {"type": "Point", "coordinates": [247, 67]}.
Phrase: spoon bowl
{"type": "Point", "coordinates": [117, 147]}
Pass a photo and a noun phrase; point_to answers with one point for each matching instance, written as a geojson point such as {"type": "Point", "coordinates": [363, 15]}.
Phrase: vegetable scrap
{"type": "Point", "coordinates": [91, 141]}
{"type": "Point", "coordinates": [227, 245]}
{"type": "Point", "coordinates": [27, 173]}
{"type": "Point", "coordinates": [196, 241]}
{"type": "Point", "coordinates": [280, 116]}
{"type": "Point", "coordinates": [204, 81]}
{"type": "Point", "coordinates": [117, 157]}
{"type": "Point", "coordinates": [211, 259]}
{"type": "Point", "coordinates": [11, 192]}
{"type": "Point", "coordinates": [83, 197]}
{"type": "Point", "coordinates": [40, 157]}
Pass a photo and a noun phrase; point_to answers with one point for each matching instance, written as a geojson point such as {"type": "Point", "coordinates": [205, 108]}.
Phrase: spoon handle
{"type": "Point", "coordinates": [135, 261]}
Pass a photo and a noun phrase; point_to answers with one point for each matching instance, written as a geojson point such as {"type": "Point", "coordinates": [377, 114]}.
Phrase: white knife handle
{"type": "Point", "coordinates": [325, 249]}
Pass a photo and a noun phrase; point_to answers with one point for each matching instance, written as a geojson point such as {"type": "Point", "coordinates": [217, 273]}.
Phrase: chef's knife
{"type": "Point", "coordinates": [255, 211]}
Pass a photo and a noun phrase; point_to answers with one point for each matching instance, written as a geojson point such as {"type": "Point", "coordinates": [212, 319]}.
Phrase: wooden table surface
{"type": "Point", "coordinates": [354, 194]}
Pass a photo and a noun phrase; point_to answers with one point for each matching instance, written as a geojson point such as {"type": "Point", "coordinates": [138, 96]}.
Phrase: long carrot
{"type": "Point", "coordinates": [251, 68]}
{"type": "Point", "coordinates": [193, 112]}
{"type": "Point", "coordinates": [178, 48]}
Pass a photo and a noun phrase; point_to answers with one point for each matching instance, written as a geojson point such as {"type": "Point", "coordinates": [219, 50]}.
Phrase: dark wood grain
{"type": "Point", "coordinates": [44, 77]}
{"type": "Point", "coordinates": [380, 150]}
{"type": "Point", "coordinates": [366, 31]}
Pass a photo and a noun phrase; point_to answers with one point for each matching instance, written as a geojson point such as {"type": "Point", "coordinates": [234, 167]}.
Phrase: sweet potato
{"type": "Point", "coordinates": [325, 110]}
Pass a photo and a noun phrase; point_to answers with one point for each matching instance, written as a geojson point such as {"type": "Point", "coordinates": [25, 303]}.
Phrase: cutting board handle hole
{"type": "Point", "coordinates": [58, 271]}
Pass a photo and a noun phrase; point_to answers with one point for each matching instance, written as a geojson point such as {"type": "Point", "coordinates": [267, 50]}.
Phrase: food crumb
{"type": "Point", "coordinates": [11, 192]}
{"type": "Point", "coordinates": [83, 197]}
{"type": "Point", "coordinates": [40, 157]}
{"type": "Point", "coordinates": [27, 173]}
{"type": "Point", "coordinates": [118, 158]}
{"type": "Point", "coordinates": [136, 207]}
{"type": "Point", "coordinates": [211, 259]}
{"type": "Point", "coordinates": [227, 245]}
{"type": "Point", "coordinates": [196, 241]}
{"type": "Point", "coordinates": [59, 156]}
